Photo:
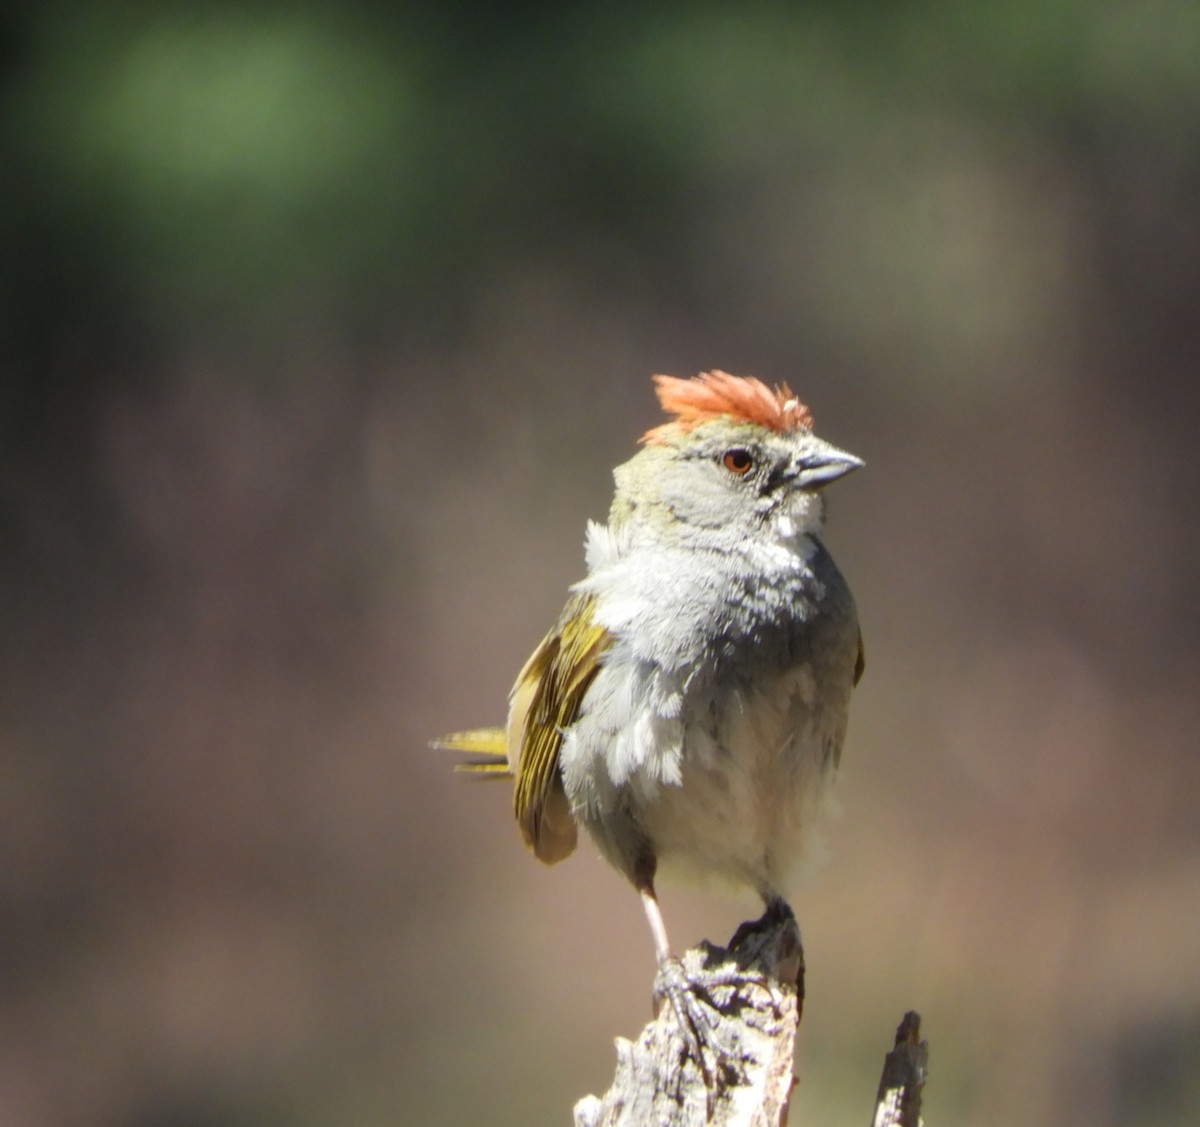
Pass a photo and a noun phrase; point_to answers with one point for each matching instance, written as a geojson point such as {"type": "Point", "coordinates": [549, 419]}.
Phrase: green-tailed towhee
{"type": "Point", "coordinates": [689, 706]}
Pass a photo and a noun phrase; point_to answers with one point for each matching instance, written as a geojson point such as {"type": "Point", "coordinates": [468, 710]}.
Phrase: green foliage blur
{"type": "Point", "coordinates": [321, 326]}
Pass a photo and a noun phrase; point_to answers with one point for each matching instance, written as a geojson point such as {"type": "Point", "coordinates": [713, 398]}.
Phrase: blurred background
{"type": "Point", "coordinates": [321, 328]}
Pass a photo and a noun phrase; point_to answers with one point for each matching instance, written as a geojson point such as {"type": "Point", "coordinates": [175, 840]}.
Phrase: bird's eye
{"type": "Point", "coordinates": [738, 461]}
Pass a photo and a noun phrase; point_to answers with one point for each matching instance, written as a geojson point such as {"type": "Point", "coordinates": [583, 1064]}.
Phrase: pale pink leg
{"type": "Point", "coordinates": [658, 928]}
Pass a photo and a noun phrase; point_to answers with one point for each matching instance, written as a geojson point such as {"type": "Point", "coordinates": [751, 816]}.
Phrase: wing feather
{"type": "Point", "coordinates": [545, 701]}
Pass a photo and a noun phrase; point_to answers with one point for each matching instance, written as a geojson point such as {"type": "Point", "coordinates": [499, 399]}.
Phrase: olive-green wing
{"type": "Point", "coordinates": [545, 701]}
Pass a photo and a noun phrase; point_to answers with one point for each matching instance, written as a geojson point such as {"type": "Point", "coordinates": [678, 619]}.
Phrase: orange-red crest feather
{"type": "Point", "coordinates": [713, 395]}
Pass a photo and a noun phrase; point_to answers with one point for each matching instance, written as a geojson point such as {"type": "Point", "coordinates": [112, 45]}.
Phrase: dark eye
{"type": "Point", "coordinates": [738, 461]}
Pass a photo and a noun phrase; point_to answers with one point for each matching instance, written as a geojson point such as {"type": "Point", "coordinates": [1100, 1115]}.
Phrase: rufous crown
{"type": "Point", "coordinates": [714, 395]}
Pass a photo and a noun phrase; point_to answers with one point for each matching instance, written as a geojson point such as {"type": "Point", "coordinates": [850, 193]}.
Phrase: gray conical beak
{"type": "Point", "coordinates": [824, 464]}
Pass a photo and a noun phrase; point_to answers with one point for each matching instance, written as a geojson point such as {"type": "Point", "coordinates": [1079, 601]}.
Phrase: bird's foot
{"type": "Point", "coordinates": [777, 915]}
{"type": "Point", "coordinates": [772, 940]}
{"type": "Point", "coordinates": [687, 1000]}
{"type": "Point", "coordinates": [698, 1016]}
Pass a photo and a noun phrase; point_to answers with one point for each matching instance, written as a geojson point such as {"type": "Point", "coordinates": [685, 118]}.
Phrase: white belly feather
{"type": "Point", "coordinates": [747, 801]}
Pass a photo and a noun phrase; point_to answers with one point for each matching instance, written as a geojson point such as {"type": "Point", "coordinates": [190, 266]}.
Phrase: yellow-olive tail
{"type": "Point", "coordinates": [488, 744]}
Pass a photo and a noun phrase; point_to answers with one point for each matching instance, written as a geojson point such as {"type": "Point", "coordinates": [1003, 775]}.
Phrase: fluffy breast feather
{"type": "Point", "coordinates": [720, 708]}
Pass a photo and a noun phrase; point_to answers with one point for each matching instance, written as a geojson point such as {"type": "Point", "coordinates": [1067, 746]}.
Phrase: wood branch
{"type": "Point", "coordinates": [898, 1103]}
{"type": "Point", "coordinates": [729, 1063]}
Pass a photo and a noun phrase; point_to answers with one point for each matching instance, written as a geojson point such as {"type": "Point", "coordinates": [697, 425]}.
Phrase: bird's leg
{"type": "Point", "coordinates": [671, 980]}
{"type": "Point", "coordinates": [658, 926]}
{"type": "Point", "coordinates": [696, 1011]}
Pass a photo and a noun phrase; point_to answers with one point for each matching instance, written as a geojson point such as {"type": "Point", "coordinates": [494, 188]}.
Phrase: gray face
{"type": "Point", "coordinates": [733, 476]}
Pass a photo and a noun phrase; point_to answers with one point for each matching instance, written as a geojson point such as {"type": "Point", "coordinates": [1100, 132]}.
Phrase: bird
{"type": "Point", "coordinates": [689, 706]}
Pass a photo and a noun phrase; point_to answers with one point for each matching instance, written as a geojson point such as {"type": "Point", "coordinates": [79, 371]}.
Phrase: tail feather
{"type": "Point", "coordinates": [484, 769]}
{"type": "Point", "coordinates": [490, 744]}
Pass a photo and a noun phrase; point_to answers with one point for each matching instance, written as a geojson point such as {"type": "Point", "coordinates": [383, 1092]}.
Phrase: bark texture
{"type": "Point", "coordinates": [720, 1051]}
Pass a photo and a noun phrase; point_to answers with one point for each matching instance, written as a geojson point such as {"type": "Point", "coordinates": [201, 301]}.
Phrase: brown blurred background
{"type": "Point", "coordinates": [321, 328]}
